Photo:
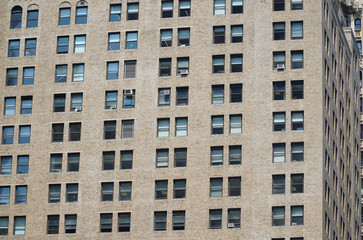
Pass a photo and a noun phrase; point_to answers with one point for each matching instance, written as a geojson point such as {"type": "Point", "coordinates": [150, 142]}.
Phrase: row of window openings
{"type": "Point", "coordinates": [25, 106]}
{"type": "Point", "coordinates": [296, 182]}
{"type": "Point", "coordinates": [17, 14]}
{"type": "Point", "coordinates": [297, 60]}
{"type": "Point", "coordinates": [279, 5]}
{"type": "Point", "coordinates": [20, 195]}
{"type": "Point", "coordinates": [74, 132]}
{"type": "Point", "coordinates": [18, 225]}
{"type": "Point", "coordinates": [279, 30]}
{"type": "Point", "coordinates": [29, 50]}
{"type": "Point", "coordinates": [279, 152]}
{"type": "Point", "coordinates": [8, 134]}
{"type": "Point", "coordinates": [297, 121]}
{"type": "Point", "coordinates": [296, 86]}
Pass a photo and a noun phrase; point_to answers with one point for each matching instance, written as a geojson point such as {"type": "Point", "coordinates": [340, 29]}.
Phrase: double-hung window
{"type": "Point", "coordinates": [216, 187]}
{"type": "Point", "coordinates": [164, 67]}
{"type": "Point", "coordinates": [279, 61]}
{"type": "Point", "coordinates": [217, 124]}
{"type": "Point", "coordinates": [76, 102]}
{"type": "Point", "coordinates": [53, 224]}
{"type": "Point", "coordinates": [61, 73]}
{"type": "Point", "coordinates": [297, 30]}
{"type": "Point", "coordinates": [16, 16]}
{"type": "Point", "coordinates": [131, 40]}
{"type": "Point", "coordinates": [297, 151]}
{"type": "Point", "coordinates": [59, 102]}
{"type": "Point", "coordinates": [279, 121]}
{"type": "Point", "coordinates": [112, 70]}
{"type": "Point", "coordinates": [28, 76]}
{"type": "Point", "coordinates": [24, 134]}
{"type": "Point", "coordinates": [297, 120]}
{"type": "Point", "coordinates": [215, 219]}
{"type": "Point", "coordinates": [23, 164]}
{"type": "Point", "coordinates": [108, 160]}
{"type": "Point", "coordinates": [132, 11]}
{"type": "Point", "coordinates": [72, 192]}
{"type": "Point", "coordinates": [166, 36]}
{"type": "Point", "coordinates": [109, 130]}
{"type": "Point", "coordinates": [113, 41]}
{"type": "Point", "coordinates": [237, 6]}
{"type": "Point", "coordinates": [184, 8]}
{"type": "Point", "coordinates": [70, 223]}
{"type": "Point", "coordinates": [81, 15]}
{"type": "Point", "coordinates": [167, 9]}
{"type": "Point", "coordinates": [56, 162]}
{"type": "Point", "coordinates": [236, 33]}
{"type": "Point", "coordinates": [178, 220]}
{"type": "Point", "coordinates": [236, 63]}
{"type": "Point", "coordinates": [297, 89]}
{"type": "Point", "coordinates": [9, 106]}
{"type": "Point", "coordinates": [278, 5]}
{"type": "Point", "coordinates": [127, 129]}
{"type": "Point", "coordinates": [179, 188]}
{"type": "Point", "coordinates": [183, 36]}
{"type": "Point", "coordinates": [111, 100]}
{"type": "Point", "coordinates": [180, 157]}
{"type": "Point", "coordinates": [235, 124]}
{"type": "Point", "coordinates": [234, 218]}
{"type": "Point", "coordinates": [183, 66]}
{"type": "Point", "coordinates": [73, 162]}
{"type": "Point", "coordinates": [75, 131]}
{"type": "Point", "coordinates": [78, 72]}
{"type": "Point", "coordinates": [278, 216]}
{"type": "Point", "coordinates": [278, 184]}
{"type": "Point", "coordinates": [4, 195]}
{"type": "Point", "coordinates": [5, 165]}
{"type": "Point", "coordinates": [4, 226]}
{"type": "Point", "coordinates": [279, 90]}
{"type": "Point", "coordinates": [30, 47]}
{"type": "Point", "coordinates": [126, 159]}
{"type": "Point", "coordinates": [115, 12]}
{"type": "Point", "coordinates": [234, 186]}
{"type": "Point", "coordinates": [124, 222]}
{"type": "Point", "coordinates": [279, 30]}
{"type": "Point", "coordinates": [219, 34]}
{"type": "Point", "coordinates": [21, 194]}
{"type": "Point", "coordinates": [57, 132]}
{"type": "Point", "coordinates": [63, 43]}
{"type": "Point", "coordinates": [182, 96]}
{"type": "Point", "coordinates": [217, 94]}
{"type": "Point", "coordinates": [278, 152]}
{"type": "Point", "coordinates": [181, 127]}
{"type": "Point", "coordinates": [160, 221]}
{"type": "Point", "coordinates": [64, 16]}
{"type": "Point", "coordinates": [235, 155]}
{"type": "Point", "coordinates": [162, 158]}
{"type": "Point", "coordinates": [297, 215]}
{"type": "Point", "coordinates": [161, 189]}
{"type": "Point", "coordinates": [11, 77]}
{"type": "Point", "coordinates": [80, 44]}
{"type": "Point", "coordinates": [14, 48]}
{"type": "Point", "coordinates": [164, 97]}
{"type": "Point", "coordinates": [297, 59]}
{"type": "Point", "coordinates": [8, 135]}
{"type": "Point", "coordinates": [219, 7]}
{"type": "Point", "coordinates": [125, 191]}
{"type": "Point", "coordinates": [297, 183]}
{"type": "Point", "coordinates": [19, 225]}
{"type": "Point", "coordinates": [107, 191]}
{"type": "Point", "coordinates": [106, 222]}
{"type": "Point", "coordinates": [163, 127]}
{"type": "Point", "coordinates": [216, 156]}
{"type": "Point", "coordinates": [296, 4]}
{"type": "Point", "coordinates": [218, 64]}
{"type": "Point", "coordinates": [235, 93]}
{"type": "Point", "coordinates": [130, 69]}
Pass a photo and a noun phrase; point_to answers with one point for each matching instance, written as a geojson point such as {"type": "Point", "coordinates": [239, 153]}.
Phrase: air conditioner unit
{"type": "Point", "coordinates": [77, 109]}
{"type": "Point", "coordinates": [230, 225]}
{"type": "Point", "coordinates": [113, 107]}
{"type": "Point", "coordinates": [280, 67]}
{"type": "Point", "coordinates": [184, 72]}
{"type": "Point", "coordinates": [129, 92]}
{"type": "Point", "coordinates": [165, 92]}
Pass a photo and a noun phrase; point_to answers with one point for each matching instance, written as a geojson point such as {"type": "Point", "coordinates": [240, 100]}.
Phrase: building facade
{"type": "Point", "coordinates": [178, 119]}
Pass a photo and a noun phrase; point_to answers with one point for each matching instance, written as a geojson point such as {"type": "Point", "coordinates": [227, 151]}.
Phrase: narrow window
{"type": "Point", "coordinates": [4, 226]}
{"type": "Point", "coordinates": [56, 163]}
{"type": "Point", "coordinates": [297, 215]}
{"type": "Point", "coordinates": [124, 222]}
{"type": "Point", "coordinates": [9, 105]}
{"type": "Point", "coordinates": [167, 9]}
{"type": "Point", "coordinates": [278, 216]}
{"type": "Point", "coordinates": [54, 193]}
{"type": "Point", "coordinates": [109, 130]}
{"type": "Point", "coordinates": [125, 191]}
{"type": "Point", "coordinates": [236, 33]}
{"type": "Point", "coordinates": [70, 223]}
{"type": "Point", "coordinates": [73, 162]}
{"type": "Point", "coordinates": [219, 7]}
{"type": "Point", "coordinates": [21, 194]}
{"type": "Point", "coordinates": [297, 152]}
{"type": "Point", "coordinates": [279, 121]}
{"type": "Point", "coordinates": [279, 61]}
{"type": "Point", "coordinates": [76, 102]}
{"type": "Point", "coordinates": [23, 164]}
{"type": "Point", "coordinates": [234, 218]}
{"type": "Point", "coordinates": [127, 130]}
{"type": "Point", "coordinates": [4, 195]}
{"type": "Point", "coordinates": [297, 59]}
{"type": "Point", "coordinates": [236, 63]}
{"type": "Point", "coordinates": [179, 188]}
{"type": "Point", "coordinates": [57, 132]}
{"type": "Point", "coordinates": [130, 69]}
{"type": "Point", "coordinates": [75, 131]}
{"type": "Point", "coordinates": [108, 160]}
{"type": "Point", "coordinates": [129, 98]}
{"type": "Point", "coordinates": [111, 100]}
{"type": "Point", "coordinates": [19, 225]}
{"type": "Point", "coordinates": [216, 187]}
{"type": "Point", "coordinates": [24, 134]}
{"type": "Point", "coordinates": [217, 94]}
{"type": "Point", "coordinates": [164, 97]}
{"type": "Point", "coordinates": [28, 76]}
{"type": "Point", "coordinates": [296, 4]}
{"type": "Point", "coordinates": [183, 36]}
{"type": "Point", "coordinates": [161, 189]}
{"type": "Point", "coordinates": [217, 124]}
{"type": "Point", "coordinates": [178, 220]}
{"type": "Point", "coordinates": [5, 165]}
{"type": "Point", "coordinates": [132, 11]}
{"type": "Point", "coordinates": [219, 34]}
{"type": "Point", "coordinates": [113, 41]}
{"type": "Point", "coordinates": [115, 12]}
{"type": "Point", "coordinates": [11, 76]}
{"type": "Point", "coordinates": [297, 120]}
{"type": "Point", "coordinates": [234, 186]}
{"type": "Point", "coordinates": [80, 44]}
{"type": "Point", "coordinates": [164, 67]}
{"type": "Point", "coordinates": [235, 124]}
{"type": "Point", "coordinates": [279, 90]}
{"type": "Point", "coordinates": [32, 19]}
{"type": "Point", "coordinates": [14, 48]}
{"type": "Point", "coordinates": [105, 222]}
{"type": "Point", "coordinates": [59, 102]}
{"type": "Point", "coordinates": [16, 16]}
{"type": "Point", "coordinates": [72, 192]}
{"type": "Point", "coordinates": [78, 72]}
{"type": "Point", "coordinates": [183, 66]}
{"type": "Point", "coordinates": [235, 93]}
{"type": "Point", "coordinates": [166, 36]}
{"type": "Point", "coordinates": [237, 6]}
{"type": "Point", "coordinates": [81, 15]}
{"type": "Point", "coordinates": [131, 40]}
{"type": "Point", "coordinates": [63, 43]}
{"type": "Point", "coordinates": [30, 47]}
{"type": "Point", "coordinates": [107, 191]}
{"type": "Point", "coordinates": [297, 30]}
{"type": "Point", "coordinates": [162, 158]}
{"type": "Point", "coordinates": [180, 157]}
{"type": "Point", "coordinates": [297, 183]}
{"type": "Point", "coordinates": [216, 156]}
{"type": "Point", "coordinates": [184, 8]}
{"type": "Point", "coordinates": [278, 152]}
{"type": "Point", "coordinates": [53, 224]}
{"type": "Point", "coordinates": [60, 73]}
{"type": "Point", "coordinates": [126, 159]}
{"type": "Point", "coordinates": [160, 221]}
{"type": "Point", "coordinates": [181, 127]}
{"type": "Point", "coordinates": [8, 135]}
{"type": "Point", "coordinates": [278, 184]}
{"type": "Point", "coordinates": [279, 30]}
{"type": "Point", "coordinates": [215, 219]}
{"type": "Point", "coordinates": [297, 89]}
{"type": "Point", "coordinates": [218, 64]}
{"type": "Point", "coordinates": [163, 127]}
{"type": "Point", "coordinates": [64, 16]}
{"type": "Point", "coordinates": [279, 5]}
{"type": "Point", "coordinates": [235, 155]}
{"type": "Point", "coordinates": [182, 96]}
{"type": "Point", "coordinates": [112, 70]}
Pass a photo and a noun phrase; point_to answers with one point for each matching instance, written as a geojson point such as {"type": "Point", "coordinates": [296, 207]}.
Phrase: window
{"type": "Point", "coordinates": [21, 194]}
{"type": "Point", "coordinates": [219, 34]}
{"type": "Point", "coordinates": [81, 15]}
{"type": "Point", "coordinates": [130, 69]}
{"type": "Point", "coordinates": [357, 24]}
{"type": "Point", "coordinates": [127, 129]}
{"type": "Point", "coordinates": [57, 132]}
{"type": "Point", "coordinates": [183, 36]}
{"type": "Point", "coordinates": [278, 152]}
{"type": "Point", "coordinates": [55, 163]}
{"type": "Point", "coordinates": [73, 162]}
{"type": "Point", "coordinates": [297, 89]}
{"type": "Point", "coordinates": [78, 72]}
{"type": "Point", "coordinates": [297, 183]}
{"type": "Point", "coordinates": [279, 60]}
{"type": "Point", "coordinates": [113, 41]}
{"type": "Point", "coordinates": [30, 47]}
{"type": "Point", "coordinates": [164, 97]}
{"type": "Point", "coordinates": [235, 124]}
{"type": "Point", "coordinates": [23, 164]}
{"type": "Point", "coordinates": [59, 102]}
{"type": "Point", "coordinates": [178, 220]}
{"type": "Point", "coordinates": [182, 96]}
{"type": "Point", "coordinates": [215, 219]}
{"type": "Point", "coordinates": [115, 12]}
{"type": "Point", "coordinates": [279, 121]}
{"type": "Point", "coordinates": [218, 64]}
{"type": "Point", "coordinates": [53, 224]}
{"type": "Point", "coordinates": [109, 130]}
{"type": "Point", "coordinates": [236, 93]}
{"type": "Point", "coordinates": [76, 102]}
{"type": "Point", "coordinates": [183, 66]}
{"type": "Point", "coordinates": [181, 127]}
{"type": "Point", "coordinates": [74, 132]}
{"type": "Point", "coordinates": [107, 191]}
{"type": "Point", "coordinates": [125, 191]}
{"type": "Point", "coordinates": [163, 127]}
{"type": "Point", "coordinates": [4, 195]}
{"type": "Point", "coordinates": [359, 45]}
{"type": "Point", "coordinates": [162, 158]}
{"type": "Point", "coordinates": [297, 152]}
{"type": "Point", "coordinates": [32, 19]}
{"type": "Point", "coordinates": [297, 61]}
{"type": "Point", "coordinates": [279, 90]}
{"type": "Point", "coordinates": [160, 221]}
{"type": "Point", "coordinates": [216, 156]}
{"type": "Point", "coordinates": [5, 165]}
{"type": "Point", "coordinates": [279, 5]}
{"type": "Point", "coordinates": [8, 135]}
{"type": "Point", "coordinates": [14, 48]}
{"type": "Point", "coordinates": [184, 8]}
{"type": "Point", "coordinates": [129, 98]}
{"type": "Point", "coordinates": [179, 188]}
{"type": "Point", "coordinates": [80, 44]}
{"type": "Point", "coordinates": [234, 186]}
{"type": "Point", "coordinates": [216, 187]}
{"type": "Point", "coordinates": [217, 124]}
{"type": "Point", "coordinates": [70, 223]}
{"type": "Point", "coordinates": [164, 67]}
{"type": "Point", "coordinates": [11, 76]}
{"type": "Point", "coordinates": [297, 120]}
{"type": "Point", "coordinates": [112, 70]}
{"type": "Point", "coordinates": [63, 43]}
{"type": "Point", "coordinates": [126, 159]}
{"type": "Point", "coordinates": [4, 226]}
{"type": "Point", "coordinates": [19, 225]}
{"type": "Point", "coordinates": [167, 9]}
{"type": "Point", "coordinates": [111, 100]}
{"type": "Point", "coordinates": [235, 155]}
{"type": "Point", "coordinates": [180, 157]}
{"type": "Point", "coordinates": [106, 222]}
{"type": "Point", "coordinates": [161, 189]}
{"type": "Point", "coordinates": [219, 7]}
{"type": "Point", "coordinates": [217, 94]}
{"type": "Point", "coordinates": [24, 134]}
{"type": "Point", "coordinates": [297, 30]}
{"type": "Point", "coordinates": [10, 104]}
{"type": "Point", "coordinates": [108, 160]}
{"type": "Point", "coordinates": [237, 6]}
{"type": "Point", "coordinates": [132, 11]}
{"type": "Point", "coordinates": [64, 16]}
{"type": "Point", "coordinates": [28, 76]}
{"type": "Point", "coordinates": [124, 222]}
{"type": "Point", "coordinates": [16, 16]}
{"type": "Point", "coordinates": [60, 73]}
{"type": "Point", "coordinates": [278, 216]}
{"type": "Point", "coordinates": [236, 63]}
{"type": "Point", "coordinates": [236, 33]}
{"type": "Point", "coordinates": [72, 192]}
{"type": "Point", "coordinates": [54, 193]}
{"type": "Point", "coordinates": [279, 30]}
{"type": "Point", "coordinates": [234, 218]}
{"type": "Point", "coordinates": [166, 36]}
{"type": "Point", "coordinates": [296, 4]}
{"type": "Point", "coordinates": [278, 184]}
{"type": "Point", "coordinates": [297, 215]}
{"type": "Point", "coordinates": [131, 40]}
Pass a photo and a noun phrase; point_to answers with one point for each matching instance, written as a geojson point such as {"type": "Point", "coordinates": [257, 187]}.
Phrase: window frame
{"type": "Point", "coordinates": [79, 44]}
{"type": "Point", "coordinates": [297, 120]}
{"type": "Point", "coordinates": [179, 159]}
{"type": "Point", "coordinates": [78, 72]}
{"type": "Point", "coordinates": [279, 121]}
{"type": "Point", "coordinates": [131, 41]}
{"type": "Point", "coordinates": [217, 125]}
{"type": "Point", "coordinates": [16, 17]}
{"type": "Point", "coordinates": [64, 20]}
{"type": "Point", "coordinates": [216, 187]}
{"type": "Point", "coordinates": [237, 35]}
{"type": "Point", "coordinates": [22, 164]}
{"type": "Point", "coordinates": [278, 184]}
{"type": "Point", "coordinates": [125, 193]}
{"type": "Point", "coordinates": [111, 99]}
{"type": "Point", "coordinates": [70, 223]}
{"type": "Point", "coordinates": [184, 8]}
{"type": "Point", "coordinates": [166, 37]}
{"type": "Point", "coordinates": [182, 96]}
{"type": "Point", "coordinates": [108, 160]}
{"type": "Point", "coordinates": [126, 158]}
{"type": "Point", "coordinates": [54, 196]}
{"type": "Point", "coordinates": [167, 7]}
{"type": "Point", "coordinates": [297, 218]}
{"type": "Point", "coordinates": [9, 106]}
{"type": "Point", "coordinates": [14, 48]}
{"type": "Point", "coordinates": [81, 16]}
{"type": "Point", "coordinates": [130, 68]}
{"type": "Point", "coordinates": [234, 186]}
{"type": "Point", "coordinates": [218, 64]}
{"type": "Point", "coordinates": [72, 192]}
{"type": "Point", "coordinates": [219, 7]}
{"type": "Point", "coordinates": [161, 189]}
{"type": "Point", "coordinates": [30, 47]}
{"type": "Point", "coordinates": [6, 165]}
{"type": "Point", "coordinates": [109, 130]}
{"type": "Point", "coordinates": [160, 220]}
{"type": "Point", "coordinates": [178, 220]}
{"type": "Point", "coordinates": [21, 194]}
{"type": "Point", "coordinates": [28, 75]}
{"type": "Point", "coordinates": [215, 218]}
{"type": "Point", "coordinates": [279, 152]}
{"type": "Point", "coordinates": [24, 134]}
{"type": "Point", "coordinates": [124, 222]}
{"type": "Point", "coordinates": [53, 224]}
{"type": "Point", "coordinates": [235, 124]}
{"type": "Point", "coordinates": [11, 77]}
{"type": "Point", "coordinates": [73, 160]}
{"type": "Point", "coordinates": [219, 34]}
{"type": "Point", "coordinates": [132, 14]}
{"type": "Point", "coordinates": [296, 61]}
{"type": "Point", "coordinates": [113, 41]}
{"type": "Point", "coordinates": [163, 127]}
{"type": "Point", "coordinates": [297, 151]}
{"type": "Point", "coordinates": [279, 30]}
{"type": "Point", "coordinates": [62, 44]}
{"type": "Point", "coordinates": [107, 189]}
{"type": "Point", "coordinates": [278, 216]}
{"type": "Point", "coordinates": [75, 130]}
{"type": "Point", "coordinates": [297, 183]}
{"type": "Point", "coordinates": [235, 158]}
{"type": "Point", "coordinates": [297, 33]}
{"type": "Point", "coordinates": [162, 158]}
{"type": "Point", "coordinates": [279, 90]}
{"type": "Point", "coordinates": [106, 222]}
{"type": "Point", "coordinates": [127, 129]}
{"type": "Point", "coordinates": [181, 127]}
{"type": "Point", "coordinates": [115, 15]}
